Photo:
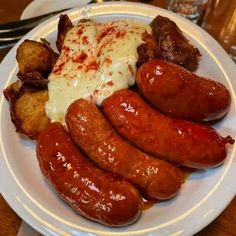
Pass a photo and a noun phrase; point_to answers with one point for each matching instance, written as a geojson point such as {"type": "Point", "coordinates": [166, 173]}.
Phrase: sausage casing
{"type": "Point", "coordinates": [180, 93]}
{"type": "Point", "coordinates": [183, 142]}
{"type": "Point", "coordinates": [93, 193]}
{"type": "Point", "coordinates": [95, 136]}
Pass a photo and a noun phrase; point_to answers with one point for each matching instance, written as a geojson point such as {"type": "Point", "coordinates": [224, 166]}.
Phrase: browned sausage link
{"type": "Point", "coordinates": [175, 140]}
{"type": "Point", "coordinates": [178, 92]}
{"type": "Point", "coordinates": [93, 193]}
{"type": "Point", "coordinates": [91, 131]}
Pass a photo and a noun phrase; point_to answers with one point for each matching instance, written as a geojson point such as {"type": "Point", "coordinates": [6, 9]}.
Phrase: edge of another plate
{"type": "Point", "coordinates": [40, 7]}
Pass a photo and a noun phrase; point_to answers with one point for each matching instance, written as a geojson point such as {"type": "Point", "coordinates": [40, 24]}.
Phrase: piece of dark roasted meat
{"type": "Point", "coordinates": [172, 45]}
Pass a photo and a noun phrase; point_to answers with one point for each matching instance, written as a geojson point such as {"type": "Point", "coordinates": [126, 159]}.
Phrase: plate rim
{"type": "Point", "coordinates": [70, 12]}
{"type": "Point", "coordinates": [26, 13]}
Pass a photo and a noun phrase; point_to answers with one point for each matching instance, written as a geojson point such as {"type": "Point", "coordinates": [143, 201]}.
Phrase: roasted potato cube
{"type": "Point", "coordinates": [27, 109]}
{"type": "Point", "coordinates": [30, 112]}
{"type": "Point", "coordinates": [34, 56]}
{"type": "Point", "coordinates": [12, 91]}
{"type": "Point", "coordinates": [64, 25]}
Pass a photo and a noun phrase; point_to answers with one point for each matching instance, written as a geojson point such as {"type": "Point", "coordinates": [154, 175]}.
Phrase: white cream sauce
{"type": "Point", "coordinates": [96, 60]}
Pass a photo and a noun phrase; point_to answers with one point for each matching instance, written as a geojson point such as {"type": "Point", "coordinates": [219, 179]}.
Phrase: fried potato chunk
{"type": "Point", "coordinates": [27, 107]}
{"type": "Point", "coordinates": [30, 112]}
{"type": "Point", "coordinates": [34, 56]}
{"type": "Point", "coordinates": [12, 91]}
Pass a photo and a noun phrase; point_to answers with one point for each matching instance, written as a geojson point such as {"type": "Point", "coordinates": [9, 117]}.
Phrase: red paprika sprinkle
{"type": "Point", "coordinates": [57, 70]}
{"type": "Point", "coordinates": [85, 40]}
{"type": "Point", "coordinates": [81, 58]}
{"type": "Point", "coordinates": [93, 66]}
{"type": "Point", "coordinates": [108, 61]}
{"type": "Point", "coordinates": [120, 34]}
{"type": "Point", "coordinates": [110, 83]}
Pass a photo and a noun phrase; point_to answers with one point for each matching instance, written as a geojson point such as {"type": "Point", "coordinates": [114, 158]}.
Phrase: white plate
{"type": "Point", "coordinates": [204, 195]}
{"type": "Point", "coordinates": [40, 7]}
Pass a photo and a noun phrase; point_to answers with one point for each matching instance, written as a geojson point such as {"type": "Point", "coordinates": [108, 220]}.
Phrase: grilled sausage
{"type": "Point", "coordinates": [93, 193]}
{"type": "Point", "coordinates": [183, 142]}
{"type": "Point", "coordinates": [180, 93]}
{"type": "Point", "coordinates": [91, 131]}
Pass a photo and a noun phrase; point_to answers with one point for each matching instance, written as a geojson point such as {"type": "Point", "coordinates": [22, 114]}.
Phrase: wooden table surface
{"type": "Point", "coordinates": [224, 225]}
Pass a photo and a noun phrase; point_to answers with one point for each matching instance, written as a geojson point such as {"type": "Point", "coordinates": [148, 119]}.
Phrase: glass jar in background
{"type": "Point", "coordinates": [220, 22]}
{"type": "Point", "coordinates": [190, 9]}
